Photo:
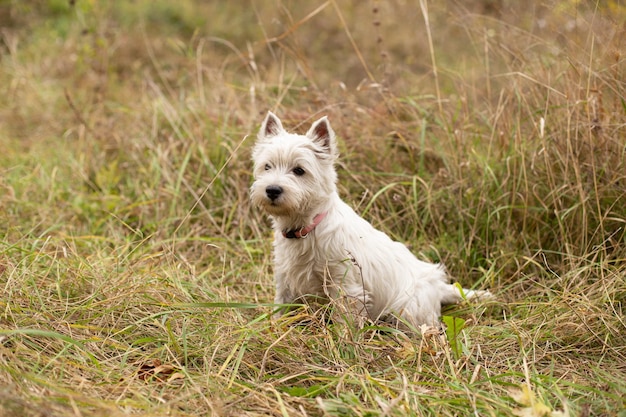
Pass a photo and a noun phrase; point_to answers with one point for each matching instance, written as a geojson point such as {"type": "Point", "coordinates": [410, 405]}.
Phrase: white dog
{"type": "Point", "coordinates": [322, 248]}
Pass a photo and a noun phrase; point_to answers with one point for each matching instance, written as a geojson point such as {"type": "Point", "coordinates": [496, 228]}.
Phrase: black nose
{"type": "Point", "coordinates": [273, 192]}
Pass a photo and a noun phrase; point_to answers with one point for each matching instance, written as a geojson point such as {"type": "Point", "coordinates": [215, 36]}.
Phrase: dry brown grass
{"type": "Point", "coordinates": [135, 277]}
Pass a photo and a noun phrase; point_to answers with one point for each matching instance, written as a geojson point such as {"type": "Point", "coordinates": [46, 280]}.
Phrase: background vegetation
{"type": "Point", "coordinates": [135, 276]}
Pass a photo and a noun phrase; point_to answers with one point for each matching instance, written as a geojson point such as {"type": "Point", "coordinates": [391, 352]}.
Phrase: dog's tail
{"type": "Point", "coordinates": [478, 295]}
{"type": "Point", "coordinates": [457, 294]}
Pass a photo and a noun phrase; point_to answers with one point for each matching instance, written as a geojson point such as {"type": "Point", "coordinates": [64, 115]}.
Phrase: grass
{"type": "Point", "coordinates": [135, 277]}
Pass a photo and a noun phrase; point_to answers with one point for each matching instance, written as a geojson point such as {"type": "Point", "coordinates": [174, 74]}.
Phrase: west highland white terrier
{"type": "Point", "coordinates": [323, 249]}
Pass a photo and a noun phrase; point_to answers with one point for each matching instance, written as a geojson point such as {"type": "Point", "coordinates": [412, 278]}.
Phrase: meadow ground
{"type": "Point", "coordinates": [135, 278]}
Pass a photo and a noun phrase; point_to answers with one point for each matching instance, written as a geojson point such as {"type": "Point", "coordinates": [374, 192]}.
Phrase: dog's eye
{"type": "Point", "coordinates": [298, 171]}
{"type": "Point", "coordinates": [267, 167]}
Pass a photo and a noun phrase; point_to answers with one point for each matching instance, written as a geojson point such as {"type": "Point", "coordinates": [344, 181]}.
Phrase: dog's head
{"type": "Point", "coordinates": [293, 174]}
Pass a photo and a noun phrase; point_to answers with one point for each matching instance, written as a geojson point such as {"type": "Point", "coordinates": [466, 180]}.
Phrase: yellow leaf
{"type": "Point", "coordinates": [534, 407]}
{"type": "Point", "coordinates": [523, 396]}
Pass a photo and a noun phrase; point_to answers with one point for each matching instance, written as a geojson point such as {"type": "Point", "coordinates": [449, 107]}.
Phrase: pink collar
{"type": "Point", "coordinates": [304, 231]}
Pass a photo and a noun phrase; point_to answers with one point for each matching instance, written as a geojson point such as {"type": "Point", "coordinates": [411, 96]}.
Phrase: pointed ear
{"type": "Point", "coordinates": [322, 134]}
{"type": "Point", "coordinates": [271, 126]}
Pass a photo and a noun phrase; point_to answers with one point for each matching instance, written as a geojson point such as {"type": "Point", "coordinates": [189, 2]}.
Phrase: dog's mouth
{"type": "Point", "coordinates": [273, 206]}
{"type": "Point", "coordinates": [269, 202]}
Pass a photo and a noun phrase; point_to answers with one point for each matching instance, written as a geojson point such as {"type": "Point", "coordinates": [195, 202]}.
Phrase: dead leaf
{"type": "Point", "coordinates": [156, 371]}
{"type": "Point", "coordinates": [175, 376]}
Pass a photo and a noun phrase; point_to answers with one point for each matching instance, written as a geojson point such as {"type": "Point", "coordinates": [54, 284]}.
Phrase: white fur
{"type": "Point", "coordinates": [344, 256]}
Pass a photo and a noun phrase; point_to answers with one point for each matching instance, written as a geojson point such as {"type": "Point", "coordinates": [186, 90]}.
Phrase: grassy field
{"type": "Point", "coordinates": [135, 278]}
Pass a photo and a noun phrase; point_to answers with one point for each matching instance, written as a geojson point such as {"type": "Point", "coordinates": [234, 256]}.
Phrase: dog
{"type": "Point", "coordinates": [323, 249]}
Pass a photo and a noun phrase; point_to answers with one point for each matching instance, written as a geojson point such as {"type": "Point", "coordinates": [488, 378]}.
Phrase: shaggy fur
{"type": "Point", "coordinates": [340, 255]}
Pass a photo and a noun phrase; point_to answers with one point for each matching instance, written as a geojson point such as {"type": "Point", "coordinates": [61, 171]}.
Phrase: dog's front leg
{"type": "Point", "coordinates": [283, 295]}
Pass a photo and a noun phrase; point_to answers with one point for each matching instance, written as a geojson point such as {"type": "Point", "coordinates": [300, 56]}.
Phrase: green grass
{"type": "Point", "coordinates": [135, 278]}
